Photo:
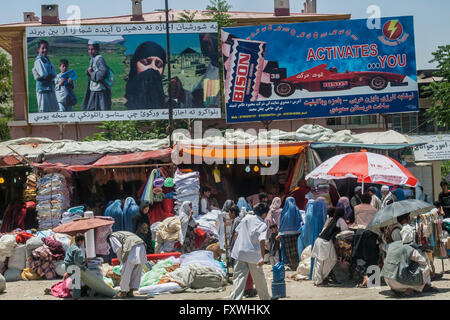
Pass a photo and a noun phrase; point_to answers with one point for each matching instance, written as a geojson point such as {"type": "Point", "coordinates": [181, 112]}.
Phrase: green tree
{"type": "Point", "coordinates": [440, 90]}
{"type": "Point", "coordinates": [445, 169]}
{"type": "Point", "coordinates": [187, 16]}
{"type": "Point", "coordinates": [134, 130]}
{"type": "Point", "coordinates": [218, 11]}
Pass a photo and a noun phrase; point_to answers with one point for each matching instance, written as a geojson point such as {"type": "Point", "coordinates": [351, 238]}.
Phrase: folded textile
{"type": "Point", "coordinates": [160, 288]}
{"type": "Point", "coordinates": [41, 262]}
{"type": "Point", "coordinates": [55, 247]}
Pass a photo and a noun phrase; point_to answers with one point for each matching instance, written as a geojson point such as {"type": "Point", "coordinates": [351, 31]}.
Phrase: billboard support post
{"type": "Point", "coordinates": [169, 75]}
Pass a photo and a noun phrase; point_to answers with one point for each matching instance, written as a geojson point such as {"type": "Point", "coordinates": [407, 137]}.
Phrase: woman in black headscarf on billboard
{"type": "Point", "coordinates": [144, 89]}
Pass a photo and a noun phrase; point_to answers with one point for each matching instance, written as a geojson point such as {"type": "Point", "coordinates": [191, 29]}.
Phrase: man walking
{"type": "Point", "coordinates": [248, 251]}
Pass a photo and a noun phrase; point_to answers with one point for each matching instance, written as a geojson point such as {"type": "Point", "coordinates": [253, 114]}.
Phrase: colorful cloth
{"type": "Point", "coordinates": [41, 261]}
{"type": "Point", "coordinates": [55, 247]}
{"type": "Point", "coordinates": [62, 289]}
{"type": "Point", "coordinates": [22, 237]}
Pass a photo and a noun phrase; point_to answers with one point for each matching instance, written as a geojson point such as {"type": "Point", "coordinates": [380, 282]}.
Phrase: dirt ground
{"type": "Point", "coordinates": [296, 290]}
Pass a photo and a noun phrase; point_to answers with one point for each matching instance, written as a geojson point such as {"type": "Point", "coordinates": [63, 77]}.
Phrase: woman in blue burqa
{"type": "Point", "coordinates": [289, 230]}
{"type": "Point", "coordinates": [243, 206]}
{"type": "Point", "coordinates": [130, 209]}
{"type": "Point", "coordinates": [144, 89]}
{"type": "Point", "coordinates": [316, 211]}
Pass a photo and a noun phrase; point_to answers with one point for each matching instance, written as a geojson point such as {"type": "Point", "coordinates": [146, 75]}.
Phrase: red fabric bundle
{"type": "Point", "coordinates": [55, 247]}
{"type": "Point", "coordinates": [14, 218]}
{"type": "Point", "coordinates": [23, 236]}
{"type": "Point", "coordinates": [249, 283]}
{"type": "Point", "coordinates": [157, 213]}
{"type": "Point", "coordinates": [200, 237]}
{"type": "Point", "coordinates": [168, 205]}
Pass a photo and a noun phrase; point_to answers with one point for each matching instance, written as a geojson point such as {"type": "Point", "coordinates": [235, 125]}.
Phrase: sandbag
{"type": "Point", "coordinates": [2, 283]}
{"type": "Point", "coordinates": [18, 258]}
{"type": "Point", "coordinates": [13, 275]}
{"type": "Point", "coordinates": [60, 267]}
{"type": "Point", "coordinates": [7, 245]}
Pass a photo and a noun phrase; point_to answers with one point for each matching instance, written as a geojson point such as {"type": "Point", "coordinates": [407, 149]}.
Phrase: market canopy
{"type": "Point", "coordinates": [218, 152]}
{"type": "Point", "coordinates": [113, 160]}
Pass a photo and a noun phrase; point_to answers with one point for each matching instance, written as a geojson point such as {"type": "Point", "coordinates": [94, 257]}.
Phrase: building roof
{"type": "Point", "coordinates": [427, 76]}
{"type": "Point", "coordinates": [238, 18]}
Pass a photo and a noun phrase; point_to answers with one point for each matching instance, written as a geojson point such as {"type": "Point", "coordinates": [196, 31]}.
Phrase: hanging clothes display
{"type": "Point", "coordinates": [187, 187]}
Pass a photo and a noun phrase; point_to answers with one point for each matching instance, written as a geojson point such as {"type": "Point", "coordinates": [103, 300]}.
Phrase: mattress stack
{"type": "Point", "coordinates": [187, 187]}
{"type": "Point", "coordinates": [53, 198]}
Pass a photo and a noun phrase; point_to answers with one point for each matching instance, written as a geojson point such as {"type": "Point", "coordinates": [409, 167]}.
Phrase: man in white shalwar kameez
{"type": "Point", "coordinates": [248, 251]}
{"type": "Point", "coordinates": [131, 252]}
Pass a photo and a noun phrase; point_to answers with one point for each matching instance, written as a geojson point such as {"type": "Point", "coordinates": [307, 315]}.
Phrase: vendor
{"type": "Point", "coordinates": [130, 251]}
{"type": "Point", "coordinates": [75, 256]}
{"type": "Point", "coordinates": [142, 216]}
{"type": "Point", "coordinates": [188, 225]}
{"type": "Point", "coordinates": [205, 201]}
{"type": "Point", "coordinates": [399, 257]}
{"type": "Point", "coordinates": [444, 198]}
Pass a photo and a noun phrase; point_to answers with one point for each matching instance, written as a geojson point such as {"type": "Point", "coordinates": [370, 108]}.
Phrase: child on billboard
{"type": "Point", "coordinates": [64, 85]}
{"type": "Point", "coordinates": [44, 72]}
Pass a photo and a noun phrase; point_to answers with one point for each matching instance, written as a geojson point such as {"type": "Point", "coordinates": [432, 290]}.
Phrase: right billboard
{"type": "Point", "coordinates": [320, 69]}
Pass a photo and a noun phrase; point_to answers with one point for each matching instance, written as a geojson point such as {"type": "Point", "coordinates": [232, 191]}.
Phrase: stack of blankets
{"type": "Point", "coordinates": [29, 194]}
{"type": "Point", "coordinates": [187, 187]}
{"type": "Point", "coordinates": [53, 199]}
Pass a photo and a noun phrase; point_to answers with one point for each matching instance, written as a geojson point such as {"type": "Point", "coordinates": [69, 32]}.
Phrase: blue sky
{"type": "Point", "coordinates": [431, 17]}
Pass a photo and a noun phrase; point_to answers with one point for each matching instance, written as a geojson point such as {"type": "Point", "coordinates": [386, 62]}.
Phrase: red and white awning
{"type": "Point", "coordinates": [366, 166]}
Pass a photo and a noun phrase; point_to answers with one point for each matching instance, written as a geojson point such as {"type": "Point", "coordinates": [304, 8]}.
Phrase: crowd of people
{"type": "Point", "coordinates": [268, 229]}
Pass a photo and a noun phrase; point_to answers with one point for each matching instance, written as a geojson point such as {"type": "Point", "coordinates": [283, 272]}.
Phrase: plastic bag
{"type": "Point", "coordinates": [60, 267]}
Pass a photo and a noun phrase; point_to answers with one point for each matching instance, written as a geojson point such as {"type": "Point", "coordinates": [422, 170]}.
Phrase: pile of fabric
{"type": "Point", "coordinates": [19, 216]}
{"type": "Point", "coordinates": [53, 199]}
{"type": "Point", "coordinates": [343, 245]}
{"type": "Point", "coordinates": [187, 187]}
{"type": "Point", "coordinates": [71, 214]}
{"type": "Point", "coordinates": [28, 256]}
{"type": "Point", "coordinates": [193, 272]}
{"type": "Point", "coordinates": [29, 193]}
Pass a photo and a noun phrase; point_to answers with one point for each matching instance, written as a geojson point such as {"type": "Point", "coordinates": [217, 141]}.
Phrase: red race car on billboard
{"type": "Point", "coordinates": [322, 79]}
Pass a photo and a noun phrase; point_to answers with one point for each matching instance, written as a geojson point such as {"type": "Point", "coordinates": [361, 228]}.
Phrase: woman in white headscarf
{"type": "Point", "coordinates": [188, 225]}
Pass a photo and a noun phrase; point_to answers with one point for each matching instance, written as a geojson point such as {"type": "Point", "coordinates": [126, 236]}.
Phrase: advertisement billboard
{"type": "Point", "coordinates": [320, 69]}
{"type": "Point", "coordinates": [95, 73]}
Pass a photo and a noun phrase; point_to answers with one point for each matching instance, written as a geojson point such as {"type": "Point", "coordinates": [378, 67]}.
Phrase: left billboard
{"type": "Point", "coordinates": [95, 73]}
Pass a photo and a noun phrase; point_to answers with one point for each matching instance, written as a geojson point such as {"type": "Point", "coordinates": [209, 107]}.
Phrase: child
{"type": "Point", "coordinates": [44, 72]}
{"type": "Point", "coordinates": [275, 246]}
{"type": "Point", "coordinates": [64, 88]}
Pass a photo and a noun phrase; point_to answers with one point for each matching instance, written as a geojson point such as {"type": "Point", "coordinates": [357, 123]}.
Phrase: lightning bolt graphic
{"type": "Point", "coordinates": [392, 27]}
